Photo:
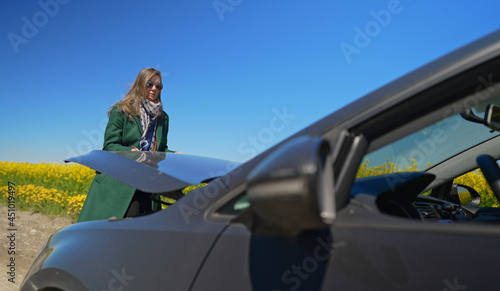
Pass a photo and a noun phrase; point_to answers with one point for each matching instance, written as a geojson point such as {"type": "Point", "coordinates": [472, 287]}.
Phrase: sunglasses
{"type": "Point", "coordinates": [150, 84]}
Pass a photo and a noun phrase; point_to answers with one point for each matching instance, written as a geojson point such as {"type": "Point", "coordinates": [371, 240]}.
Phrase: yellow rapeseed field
{"type": "Point", "coordinates": [51, 188]}
{"type": "Point", "coordinates": [48, 188]}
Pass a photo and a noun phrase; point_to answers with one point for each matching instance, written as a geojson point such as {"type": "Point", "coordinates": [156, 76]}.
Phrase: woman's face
{"type": "Point", "coordinates": [153, 88]}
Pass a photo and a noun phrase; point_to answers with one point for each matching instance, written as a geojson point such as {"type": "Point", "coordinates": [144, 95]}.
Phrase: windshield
{"type": "Point", "coordinates": [426, 148]}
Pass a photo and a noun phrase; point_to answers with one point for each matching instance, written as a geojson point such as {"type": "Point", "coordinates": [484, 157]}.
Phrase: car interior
{"type": "Point", "coordinates": [414, 176]}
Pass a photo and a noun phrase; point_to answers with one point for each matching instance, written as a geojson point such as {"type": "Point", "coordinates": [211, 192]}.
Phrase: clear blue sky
{"type": "Point", "coordinates": [239, 75]}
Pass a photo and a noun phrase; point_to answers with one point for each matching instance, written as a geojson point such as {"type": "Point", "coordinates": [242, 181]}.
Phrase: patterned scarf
{"type": "Point", "coordinates": [149, 113]}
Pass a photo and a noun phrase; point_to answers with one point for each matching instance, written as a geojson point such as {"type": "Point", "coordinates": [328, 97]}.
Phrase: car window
{"type": "Point", "coordinates": [444, 143]}
{"type": "Point", "coordinates": [235, 206]}
{"type": "Point", "coordinates": [426, 148]}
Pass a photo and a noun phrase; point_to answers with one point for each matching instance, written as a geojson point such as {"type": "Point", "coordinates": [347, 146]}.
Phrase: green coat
{"type": "Point", "coordinates": [108, 197]}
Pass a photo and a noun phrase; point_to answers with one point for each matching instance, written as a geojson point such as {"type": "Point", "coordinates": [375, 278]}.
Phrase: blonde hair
{"type": "Point", "coordinates": [135, 95]}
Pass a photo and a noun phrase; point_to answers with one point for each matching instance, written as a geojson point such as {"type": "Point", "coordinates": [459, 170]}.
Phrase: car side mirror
{"type": "Point", "coordinates": [492, 117]}
{"type": "Point", "coordinates": [292, 189]}
{"type": "Point", "coordinates": [465, 195]}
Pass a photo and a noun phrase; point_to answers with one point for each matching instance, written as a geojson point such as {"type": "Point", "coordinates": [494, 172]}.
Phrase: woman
{"type": "Point", "coordinates": [137, 123]}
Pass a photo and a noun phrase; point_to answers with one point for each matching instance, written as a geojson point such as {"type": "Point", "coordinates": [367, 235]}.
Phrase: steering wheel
{"type": "Point", "coordinates": [491, 172]}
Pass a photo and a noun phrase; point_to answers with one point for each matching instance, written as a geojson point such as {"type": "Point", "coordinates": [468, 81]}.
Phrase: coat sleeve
{"type": "Point", "coordinates": [113, 136]}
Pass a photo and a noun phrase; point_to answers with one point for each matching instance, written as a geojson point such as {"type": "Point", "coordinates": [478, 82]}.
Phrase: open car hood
{"type": "Point", "coordinates": [155, 172]}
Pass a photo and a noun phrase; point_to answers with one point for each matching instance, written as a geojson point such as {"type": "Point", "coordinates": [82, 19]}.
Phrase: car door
{"type": "Point", "coordinates": [380, 252]}
{"type": "Point", "coordinates": [365, 248]}
{"type": "Point", "coordinates": [242, 260]}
